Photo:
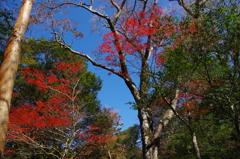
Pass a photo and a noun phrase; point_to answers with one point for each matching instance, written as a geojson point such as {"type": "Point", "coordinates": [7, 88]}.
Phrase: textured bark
{"type": "Point", "coordinates": [9, 67]}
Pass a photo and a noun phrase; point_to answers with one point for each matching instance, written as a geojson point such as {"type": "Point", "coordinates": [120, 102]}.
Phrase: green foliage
{"type": "Point", "coordinates": [206, 53]}
{"type": "Point", "coordinates": [6, 28]}
{"type": "Point", "coordinates": [6, 19]}
{"type": "Point", "coordinates": [131, 141]}
{"type": "Point", "coordinates": [128, 143]}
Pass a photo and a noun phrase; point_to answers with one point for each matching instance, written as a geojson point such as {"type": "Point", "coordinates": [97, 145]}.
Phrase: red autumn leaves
{"type": "Point", "coordinates": [61, 109]}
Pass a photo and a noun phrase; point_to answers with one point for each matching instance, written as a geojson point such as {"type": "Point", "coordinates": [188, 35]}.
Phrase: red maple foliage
{"type": "Point", "coordinates": [142, 32]}
{"type": "Point", "coordinates": [60, 112]}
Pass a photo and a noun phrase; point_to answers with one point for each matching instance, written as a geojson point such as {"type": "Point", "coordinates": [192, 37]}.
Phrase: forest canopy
{"type": "Point", "coordinates": [181, 67]}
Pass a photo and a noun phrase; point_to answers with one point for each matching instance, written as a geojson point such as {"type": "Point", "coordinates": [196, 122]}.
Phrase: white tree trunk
{"type": "Point", "coordinates": [150, 149]}
{"type": "Point", "coordinates": [9, 67]}
{"type": "Point", "coordinates": [195, 145]}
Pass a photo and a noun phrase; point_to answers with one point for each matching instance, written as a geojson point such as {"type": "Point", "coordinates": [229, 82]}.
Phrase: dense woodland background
{"type": "Point", "coordinates": [187, 99]}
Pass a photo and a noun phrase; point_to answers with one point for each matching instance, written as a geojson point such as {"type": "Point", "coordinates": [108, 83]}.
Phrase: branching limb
{"type": "Point", "coordinates": [175, 112]}
{"type": "Point", "coordinates": [85, 56]}
{"type": "Point", "coordinates": [167, 116]}
{"type": "Point", "coordinates": [82, 5]}
{"type": "Point", "coordinates": [119, 9]}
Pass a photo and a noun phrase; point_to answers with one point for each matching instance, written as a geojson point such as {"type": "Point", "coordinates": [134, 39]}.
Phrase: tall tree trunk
{"type": "Point", "coordinates": [9, 67]}
{"type": "Point", "coordinates": [195, 145]}
{"type": "Point", "coordinates": [194, 138]}
{"type": "Point", "coordinates": [150, 148]}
